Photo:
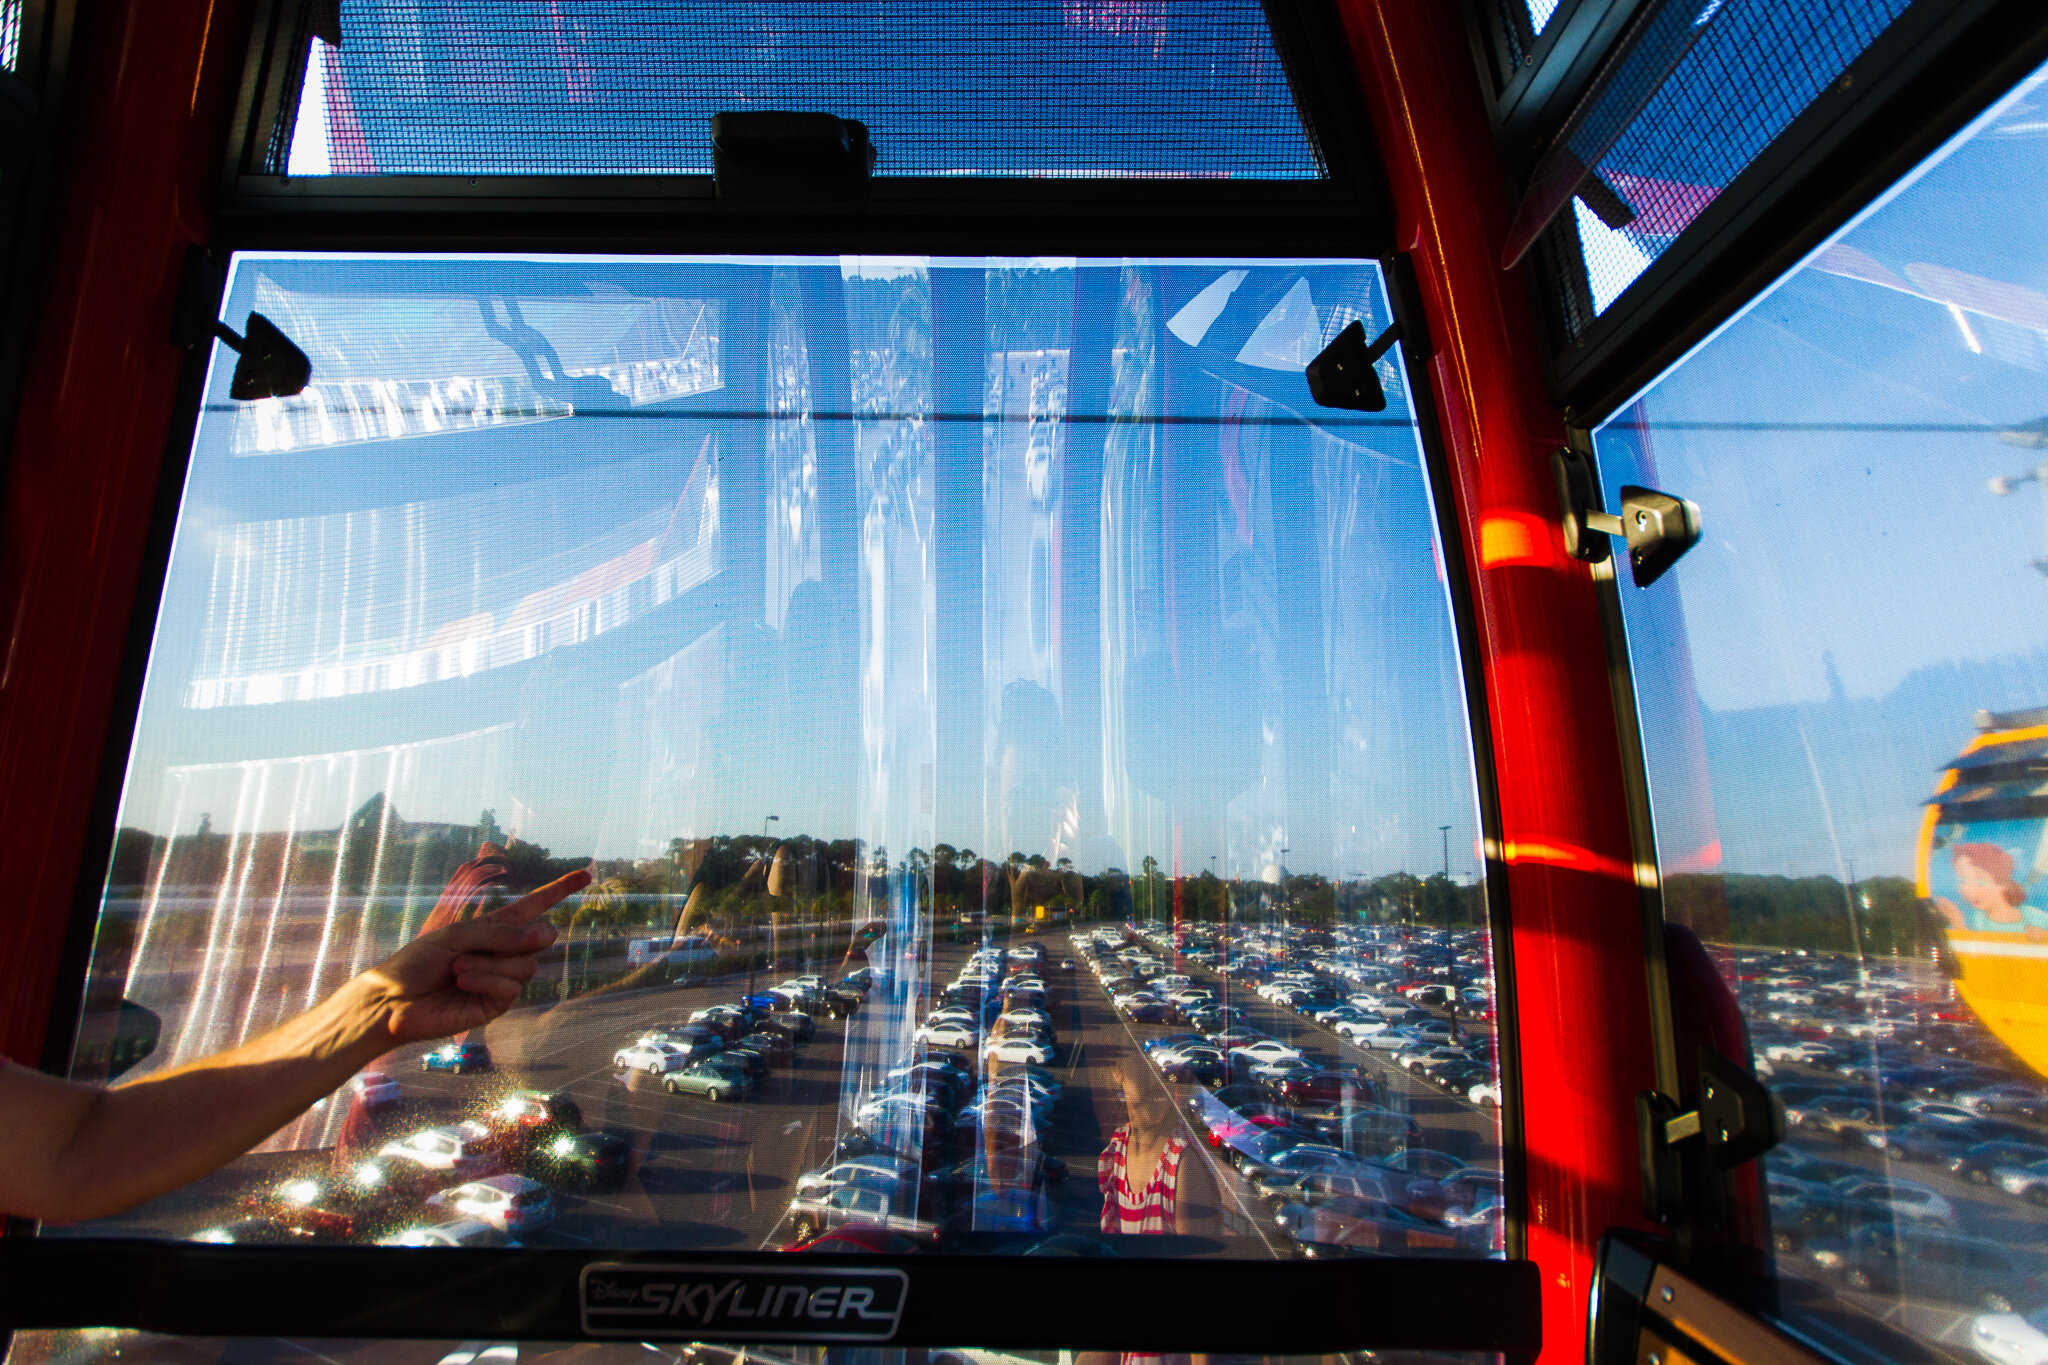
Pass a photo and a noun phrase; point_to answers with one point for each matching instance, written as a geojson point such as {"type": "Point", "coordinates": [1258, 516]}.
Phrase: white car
{"type": "Point", "coordinates": [1019, 1050]}
{"type": "Point", "coordinates": [2028, 1182]}
{"type": "Point", "coordinates": [656, 1059]}
{"type": "Point", "coordinates": [510, 1203]}
{"type": "Point", "coordinates": [1358, 1030]}
{"type": "Point", "coordinates": [374, 1087]}
{"type": "Point", "coordinates": [1803, 1051]}
{"type": "Point", "coordinates": [1937, 1111]}
{"type": "Point", "coordinates": [2010, 1339]}
{"type": "Point", "coordinates": [950, 1034]}
{"type": "Point", "coordinates": [462, 1232]}
{"type": "Point", "coordinates": [1484, 1094]}
{"type": "Point", "coordinates": [862, 1170]}
{"type": "Point", "coordinates": [1903, 1197]}
{"type": "Point", "coordinates": [458, 1147]}
{"type": "Point", "coordinates": [1267, 1050]}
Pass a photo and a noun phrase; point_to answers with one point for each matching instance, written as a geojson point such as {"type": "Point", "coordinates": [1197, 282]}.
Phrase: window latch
{"type": "Point", "coordinates": [1732, 1120]}
{"type": "Point", "coordinates": [1659, 527]}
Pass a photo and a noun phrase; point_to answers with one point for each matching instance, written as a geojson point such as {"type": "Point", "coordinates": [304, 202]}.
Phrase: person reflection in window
{"type": "Point", "coordinates": [70, 1151]}
{"type": "Point", "coordinates": [1147, 1173]}
{"type": "Point", "coordinates": [1153, 1181]}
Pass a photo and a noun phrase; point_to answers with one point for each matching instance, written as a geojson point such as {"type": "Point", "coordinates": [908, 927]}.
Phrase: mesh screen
{"type": "Point", "coordinates": [1755, 65]}
{"type": "Point", "coordinates": [10, 34]}
{"type": "Point", "coordinates": [1004, 88]}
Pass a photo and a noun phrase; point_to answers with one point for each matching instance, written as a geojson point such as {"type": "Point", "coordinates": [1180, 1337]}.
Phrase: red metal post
{"type": "Point", "coordinates": [1581, 1007]}
{"type": "Point", "coordinates": [151, 94]}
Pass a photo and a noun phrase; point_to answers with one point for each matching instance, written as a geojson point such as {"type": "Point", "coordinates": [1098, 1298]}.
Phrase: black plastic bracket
{"type": "Point", "coordinates": [201, 281]}
{"type": "Point", "coordinates": [1732, 1120]}
{"type": "Point", "coordinates": [778, 154]}
{"type": "Point", "coordinates": [1659, 527]}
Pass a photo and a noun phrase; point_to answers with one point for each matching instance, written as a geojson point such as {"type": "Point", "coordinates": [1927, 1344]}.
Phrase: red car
{"type": "Point", "coordinates": [1228, 1132]}
{"type": "Point", "coordinates": [857, 1240]}
{"type": "Point", "coordinates": [1329, 1087]}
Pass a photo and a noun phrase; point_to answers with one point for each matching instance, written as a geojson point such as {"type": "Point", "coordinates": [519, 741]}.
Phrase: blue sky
{"type": "Point", "coordinates": [1024, 555]}
{"type": "Point", "coordinates": [1860, 590]}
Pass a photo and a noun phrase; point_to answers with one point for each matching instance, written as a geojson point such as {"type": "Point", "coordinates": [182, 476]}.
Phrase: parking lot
{"type": "Point", "coordinates": [710, 1175]}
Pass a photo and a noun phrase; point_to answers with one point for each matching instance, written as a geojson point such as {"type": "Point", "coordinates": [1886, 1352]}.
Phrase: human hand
{"type": "Point", "coordinates": [460, 976]}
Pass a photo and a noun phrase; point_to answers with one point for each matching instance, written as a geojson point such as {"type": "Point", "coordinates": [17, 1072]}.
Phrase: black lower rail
{"type": "Point", "coordinates": [1017, 1302]}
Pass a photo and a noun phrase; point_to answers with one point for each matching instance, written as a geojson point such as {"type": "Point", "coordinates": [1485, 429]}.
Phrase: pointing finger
{"type": "Point", "coordinates": [534, 904]}
{"type": "Point", "coordinates": [494, 937]}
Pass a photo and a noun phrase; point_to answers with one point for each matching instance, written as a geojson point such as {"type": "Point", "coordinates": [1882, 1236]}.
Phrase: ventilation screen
{"type": "Point", "coordinates": [1753, 66]}
{"type": "Point", "coordinates": [10, 34]}
{"type": "Point", "coordinates": [1008, 88]}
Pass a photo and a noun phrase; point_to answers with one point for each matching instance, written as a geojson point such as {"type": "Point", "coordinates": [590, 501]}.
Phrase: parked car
{"type": "Point", "coordinates": [875, 1169]}
{"type": "Point", "coordinates": [772, 1044]}
{"type": "Point", "coordinates": [512, 1204]}
{"type": "Point", "coordinates": [2029, 1182]}
{"type": "Point", "coordinates": [876, 1206]}
{"type": "Point", "coordinates": [2015, 1099]}
{"type": "Point", "coordinates": [459, 1058]}
{"type": "Point", "coordinates": [1347, 1087]}
{"type": "Point", "coordinates": [716, 1078]}
{"type": "Point", "coordinates": [1035, 1051]}
{"type": "Point", "coordinates": [1944, 1266]}
{"type": "Point", "coordinates": [2011, 1338]}
{"type": "Point", "coordinates": [525, 1119]}
{"type": "Point", "coordinates": [595, 1162]}
{"type": "Point", "coordinates": [1354, 1227]}
{"type": "Point", "coordinates": [799, 1027]}
{"type": "Point", "coordinates": [949, 1033]}
{"type": "Point", "coordinates": [1845, 1118]}
{"type": "Point", "coordinates": [462, 1151]}
{"type": "Point", "coordinates": [1976, 1164]}
{"type": "Point", "coordinates": [459, 1232]}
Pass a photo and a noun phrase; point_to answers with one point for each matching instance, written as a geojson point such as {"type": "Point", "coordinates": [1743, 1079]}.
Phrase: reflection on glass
{"type": "Point", "coordinates": [102, 1346]}
{"type": "Point", "coordinates": [1016, 737]}
{"type": "Point", "coordinates": [1841, 691]}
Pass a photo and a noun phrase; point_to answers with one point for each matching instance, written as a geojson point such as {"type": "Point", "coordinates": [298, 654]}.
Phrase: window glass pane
{"type": "Point", "coordinates": [1004, 653]}
{"type": "Point", "coordinates": [1749, 68]}
{"type": "Point", "coordinates": [1840, 690]}
{"type": "Point", "coordinates": [1540, 12]}
{"type": "Point", "coordinates": [1016, 88]}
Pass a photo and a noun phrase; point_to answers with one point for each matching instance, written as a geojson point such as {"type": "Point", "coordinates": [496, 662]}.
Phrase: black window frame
{"type": "Point", "coordinates": [1936, 67]}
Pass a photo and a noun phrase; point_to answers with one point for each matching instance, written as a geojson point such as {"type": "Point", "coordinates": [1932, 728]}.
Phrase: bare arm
{"type": "Point", "coordinates": [71, 1151]}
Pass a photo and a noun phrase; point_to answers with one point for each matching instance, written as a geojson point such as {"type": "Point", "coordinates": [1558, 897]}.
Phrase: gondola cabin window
{"type": "Point", "coordinates": [1844, 701]}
